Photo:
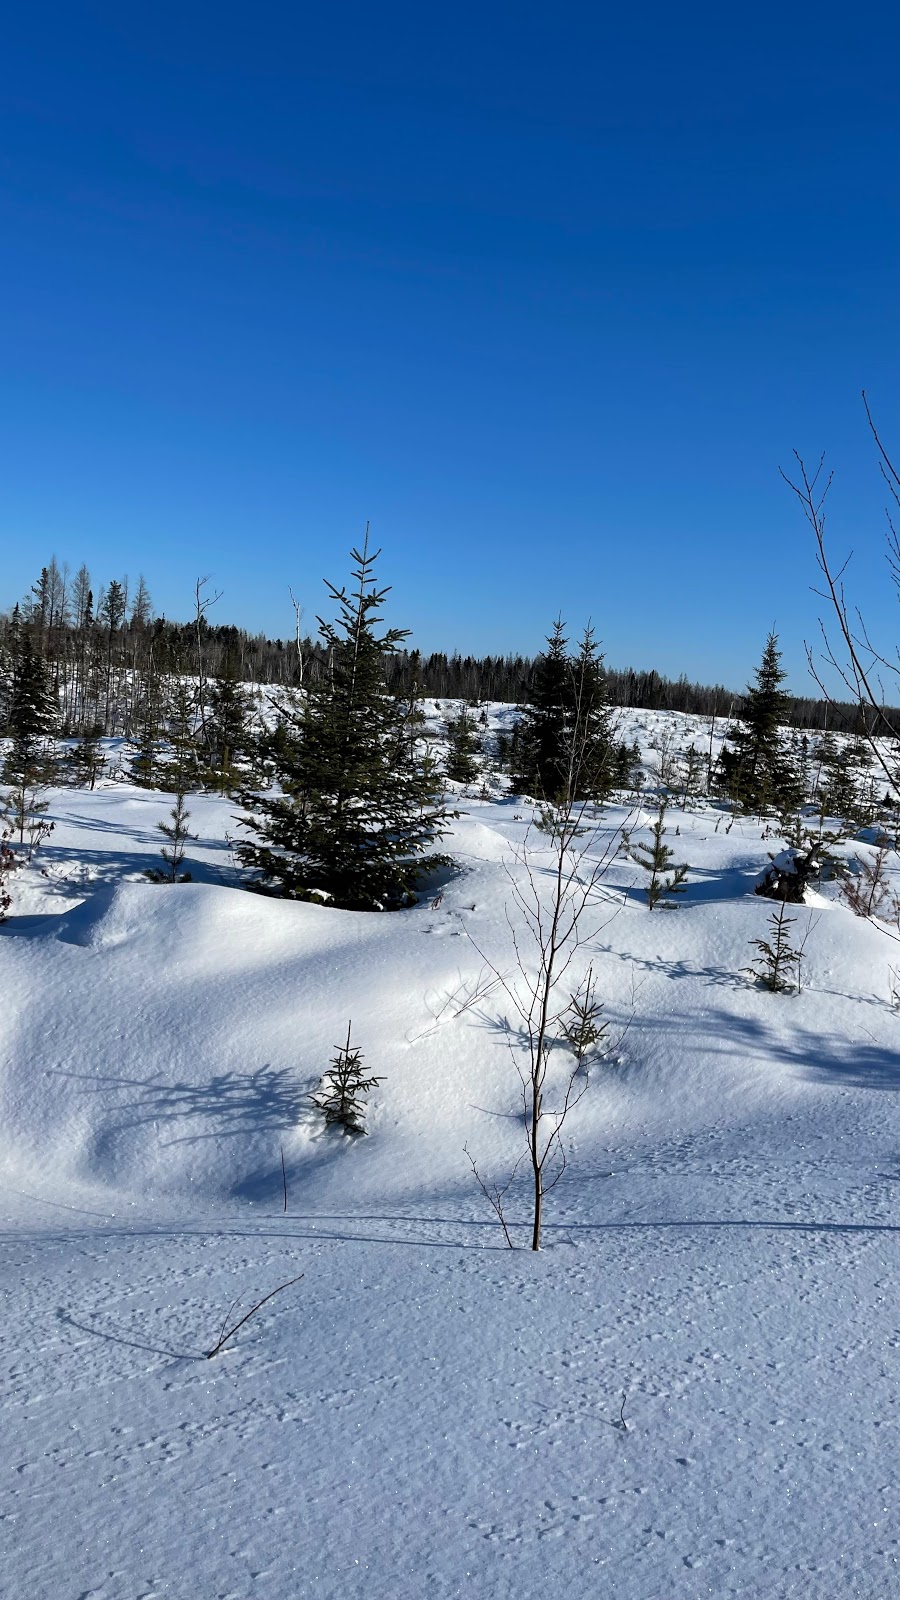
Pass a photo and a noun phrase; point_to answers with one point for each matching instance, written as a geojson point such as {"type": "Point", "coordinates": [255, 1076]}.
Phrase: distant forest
{"type": "Point", "coordinates": [102, 649]}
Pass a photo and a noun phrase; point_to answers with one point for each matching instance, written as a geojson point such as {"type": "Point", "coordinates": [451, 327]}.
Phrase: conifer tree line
{"type": "Point", "coordinates": [107, 656]}
{"type": "Point", "coordinates": [342, 799]}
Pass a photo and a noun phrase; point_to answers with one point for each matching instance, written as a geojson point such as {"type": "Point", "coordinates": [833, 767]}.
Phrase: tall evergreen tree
{"type": "Point", "coordinates": [148, 714]}
{"type": "Point", "coordinates": [564, 744]}
{"type": "Point", "coordinates": [31, 714]}
{"type": "Point", "coordinates": [464, 748]}
{"type": "Point", "coordinates": [141, 605]}
{"type": "Point", "coordinates": [359, 809]}
{"type": "Point", "coordinates": [29, 762]}
{"type": "Point", "coordinates": [756, 767]}
{"type": "Point", "coordinates": [8, 653]}
{"type": "Point", "coordinates": [180, 768]}
{"type": "Point", "coordinates": [597, 761]}
{"type": "Point", "coordinates": [227, 725]}
{"type": "Point", "coordinates": [837, 779]}
{"type": "Point", "coordinates": [538, 754]}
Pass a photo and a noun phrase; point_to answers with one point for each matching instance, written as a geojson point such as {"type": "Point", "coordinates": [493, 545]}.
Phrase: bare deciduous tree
{"type": "Point", "coordinates": [298, 615]}
{"type": "Point", "coordinates": [202, 604]}
{"type": "Point", "coordinates": [862, 666]}
{"type": "Point", "coordinates": [867, 889]}
{"type": "Point", "coordinates": [550, 914]}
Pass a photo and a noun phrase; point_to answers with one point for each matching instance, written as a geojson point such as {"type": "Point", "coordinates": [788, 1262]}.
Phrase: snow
{"type": "Point", "coordinates": [428, 1413]}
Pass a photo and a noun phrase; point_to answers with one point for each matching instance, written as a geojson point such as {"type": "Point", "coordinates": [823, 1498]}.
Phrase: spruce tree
{"type": "Point", "coordinates": [7, 666]}
{"type": "Point", "coordinates": [846, 787]}
{"type": "Point", "coordinates": [180, 767]}
{"type": "Point", "coordinates": [861, 766]}
{"type": "Point", "coordinates": [540, 765]}
{"type": "Point", "coordinates": [87, 757]}
{"type": "Point", "coordinates": [802, 759]}
{"type": "Point", "coordinates": [227, 726]}
{"type": "Point", "coordinates": [581, 1023]}
{"type": "Point", "coordinates": [342, 1091]}
{"type": "Point", "coordinates": [31, 718]}
{"type": "Point", "coordinates": [658, 859]}
{"type": "Point", "coordinates": [7, 865]}
{"type": "Point", "coordinates": [777, 967]}
{"type": "Point", "coordinates": [564, 747]}
{"type": "Point", "coordinates": [837, 782]}
{"type": "Point", "coordinates": [756, 768]}
{"type": "Point", "coordinates": [597, 762]}
{"type": "Point", "coordinates": [146, 749]}
{"type": "Point", "coordinates": [359, 809]}
{"type": "Point", "coordinates": [31, 715]}
{"type": "Point", "coordinates": [145, 760]}
{"type": "Point", "coordinates": [111, 616]}
{"type": "Point", "coordinates": [465, 748]}
{"type": "Point", "coordinates": [178, 834]}
{"type": "Point", "coordinates": [691, 774]}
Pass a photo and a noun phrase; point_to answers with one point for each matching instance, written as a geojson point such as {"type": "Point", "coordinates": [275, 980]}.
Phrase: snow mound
{"type": "Point", "coordinates": [719, 1264]}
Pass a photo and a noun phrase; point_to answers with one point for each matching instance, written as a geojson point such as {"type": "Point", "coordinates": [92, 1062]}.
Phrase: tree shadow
{"type": "Point", "coordinates": [228, 1105]}
{"type": "Point", "coordinates": [481, 1235]}
{"type": "Point", "coordinates": [705, 885]}
{"type": "Point", "coordinates": [62, 1316]}
{"type": "Point", "coordinates": [717, 977]}
{"type": "Point", "coordinates": [816, 1056]}
{"type": "Point", "coordinates": [125, 830]}
{"type": "Point", "coordinates": [110, 866]}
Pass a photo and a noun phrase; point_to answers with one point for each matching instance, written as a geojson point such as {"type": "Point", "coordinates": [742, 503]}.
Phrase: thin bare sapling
{"type": "Point", "coordinates": [552, 909]}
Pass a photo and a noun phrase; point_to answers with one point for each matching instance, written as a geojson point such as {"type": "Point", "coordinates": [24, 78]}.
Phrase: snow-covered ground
{"type": "Point", "coordinates": [428, 1413]}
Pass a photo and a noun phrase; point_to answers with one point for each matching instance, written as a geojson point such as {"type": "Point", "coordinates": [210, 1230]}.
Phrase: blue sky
{"type": "Point", "coordinates": [548, 294]}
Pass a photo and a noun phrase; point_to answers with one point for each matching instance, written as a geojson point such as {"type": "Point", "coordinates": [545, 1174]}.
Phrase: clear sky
{"type": "Point", "coordinates": [546, 292]}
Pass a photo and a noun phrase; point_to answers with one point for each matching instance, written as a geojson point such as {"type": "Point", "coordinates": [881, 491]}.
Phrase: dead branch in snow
{"type": "Point", "coordinates": [494, 1195]}
{"type": "Point", "coordinates": [461, 998]}
{"type": "Point", "coordinates": [224, 1337]}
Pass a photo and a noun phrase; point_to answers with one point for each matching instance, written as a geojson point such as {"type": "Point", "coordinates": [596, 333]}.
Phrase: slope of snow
{"type": "Point", "coordinates": [426, 1412]}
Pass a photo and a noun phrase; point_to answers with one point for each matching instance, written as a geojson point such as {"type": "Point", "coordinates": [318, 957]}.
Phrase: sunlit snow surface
{"type": "Point", "coordinates": [428, 1413]}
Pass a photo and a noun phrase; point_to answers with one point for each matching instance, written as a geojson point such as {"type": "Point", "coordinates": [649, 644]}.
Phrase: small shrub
{"type": "Point", "coordinates": [343, 1089]}
{"type": "Point", "coordinates": [7, 865]}
{"type": "Point", "coordinates": [173, 854]}
{"type": "Point", "coordinates": [581, 1024]}
{"type": "Point", "coordinates": [658, 859]}
{"type": "Point", "coordinates": [777, 967]}
{"type": "Point", "coordinates": [866, 889]}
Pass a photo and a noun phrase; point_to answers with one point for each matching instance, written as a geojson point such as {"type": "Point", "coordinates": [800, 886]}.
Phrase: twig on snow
{"type": "Point", "coordinates": [494, 1197]}
{"type": "Point", "coordinates": [224, 1337]}
{"type": "Point", "coordinates": [621, 1422]}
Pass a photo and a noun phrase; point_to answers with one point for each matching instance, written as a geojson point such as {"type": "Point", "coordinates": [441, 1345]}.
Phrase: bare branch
{"type": "Point", "coordinates": [224, 1337]}
{"type": "Point", "coordinates": [859, 660]}
{"type": "Point", "coordinates": [494, 1196]}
